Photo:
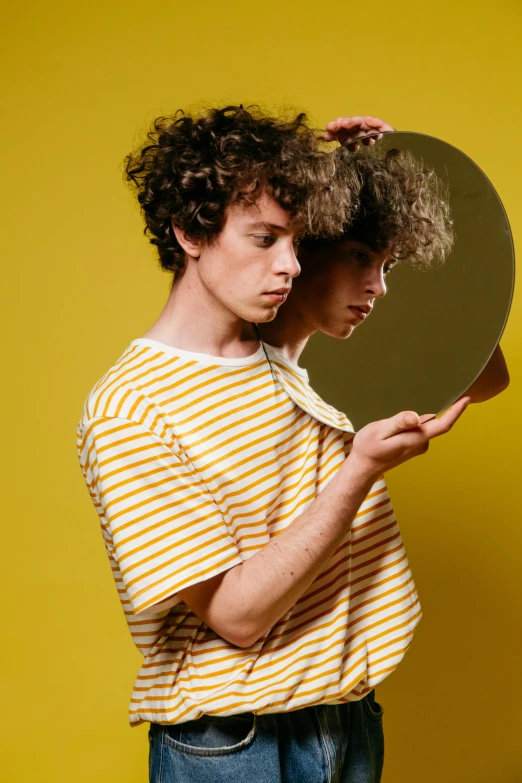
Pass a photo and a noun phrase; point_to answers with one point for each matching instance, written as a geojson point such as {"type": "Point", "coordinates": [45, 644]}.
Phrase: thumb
{"type": "Point", "coordinates": [405, 420]}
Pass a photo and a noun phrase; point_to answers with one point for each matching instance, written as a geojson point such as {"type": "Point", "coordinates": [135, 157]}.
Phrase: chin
{"type": "Point", "coordinates": [262, 316]}
{"type": "Point", "coordinates": [340, 332]}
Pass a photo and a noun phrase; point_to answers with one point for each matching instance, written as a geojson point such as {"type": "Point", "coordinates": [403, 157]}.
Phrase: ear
{"type": "Point", "coordinates": [192, 247]}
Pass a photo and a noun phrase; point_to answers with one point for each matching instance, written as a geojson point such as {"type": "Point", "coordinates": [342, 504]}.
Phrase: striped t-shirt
{"type": "Point", "coordinates": [194, 462]}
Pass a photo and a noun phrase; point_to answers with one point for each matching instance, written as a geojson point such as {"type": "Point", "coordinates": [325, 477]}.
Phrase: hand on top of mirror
{"type": "Point", "coordinates": [346, 130]}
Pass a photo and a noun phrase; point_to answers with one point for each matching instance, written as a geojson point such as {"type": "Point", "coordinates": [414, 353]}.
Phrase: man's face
{"type": "Point", "coordinates": [249, 268]}
{"type": "Point", "coordinates": [337, 280]}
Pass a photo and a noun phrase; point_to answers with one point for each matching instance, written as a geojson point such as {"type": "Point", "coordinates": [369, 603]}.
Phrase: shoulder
{"type": "Point", "coordinates": [131, 390]}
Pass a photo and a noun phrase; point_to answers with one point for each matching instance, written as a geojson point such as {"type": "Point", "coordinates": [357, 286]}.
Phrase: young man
{"type": "Point", "coordinates": [260, 570]}
{"type": "Point", "coordinates": [342, 279]}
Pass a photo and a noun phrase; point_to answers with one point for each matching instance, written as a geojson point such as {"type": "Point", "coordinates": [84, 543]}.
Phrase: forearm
{"type": "Point", "coordinates": [246, 601]}
{"type": "Point", "coordinates": [252, 597]}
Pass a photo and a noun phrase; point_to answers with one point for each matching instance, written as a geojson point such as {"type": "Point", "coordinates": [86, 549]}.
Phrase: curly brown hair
{"type": "Point", "coordinates": [401, 202]}
{"type": "Point", "coordinates": [193, 167]}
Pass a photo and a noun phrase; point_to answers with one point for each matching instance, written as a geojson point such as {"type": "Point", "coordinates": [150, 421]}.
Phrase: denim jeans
{"type": "Point", "coordinates": [328, 743]}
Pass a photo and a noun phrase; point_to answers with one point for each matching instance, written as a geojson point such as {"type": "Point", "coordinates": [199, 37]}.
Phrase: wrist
{"type": "Point", "coordinates": [362, 469]}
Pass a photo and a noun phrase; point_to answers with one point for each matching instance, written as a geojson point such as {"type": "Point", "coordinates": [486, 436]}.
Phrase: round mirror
{"type": "Point", "coordinates": [436, 328]}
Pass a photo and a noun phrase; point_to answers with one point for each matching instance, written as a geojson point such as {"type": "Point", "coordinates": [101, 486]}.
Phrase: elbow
{"type": "Point", "coordinates": [244, 637]}
{"type": "Point", "coordinates": [505, 380]}
{"type": "Point", "coordinates": [500, 380]}
{"type": "Point", "coordinates": [248, 631]}
{"type": "Point", "coordinates": [244, 642]}
{"type": "Point", "coordinates": [235, 629]}
{"type": "Point", "coordinates": [238, 639]}
{"type": "Point", "coordinates": [493, 380]}
{"type": "Point", "coordinates": [483, 395]}
{"type": "Point", "coordinates": [234, 635]}
{"type": "Point", "coordinates": [501, 385]}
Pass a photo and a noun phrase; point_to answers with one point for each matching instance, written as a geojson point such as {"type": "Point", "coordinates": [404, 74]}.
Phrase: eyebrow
{"type": "Point", "coordinates": [265, 225]}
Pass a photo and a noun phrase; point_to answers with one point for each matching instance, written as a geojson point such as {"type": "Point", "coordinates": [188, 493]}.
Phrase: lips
{"type": "Point", "coordinates": [282, 291]}
{"type": "Point", "coordinates": [361, 312]}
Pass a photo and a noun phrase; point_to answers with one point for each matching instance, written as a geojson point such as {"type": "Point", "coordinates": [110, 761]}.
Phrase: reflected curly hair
{"type": "Point", "coordinates": [401, 202]}
{"type": "Point", "coordinates": [192, 168]}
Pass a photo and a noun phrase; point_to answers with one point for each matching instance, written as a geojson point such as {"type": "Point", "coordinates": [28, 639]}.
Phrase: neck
{"type": "Point", "coordinates": [289, 331]}
{"type": "Point", "coordinates": [194, 320]}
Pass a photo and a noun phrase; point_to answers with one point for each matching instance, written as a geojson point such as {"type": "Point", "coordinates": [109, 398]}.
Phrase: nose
{"type": "Point", "coordinates": [286, 262]}
{"type": "Point", "coordinates": [375, 284]}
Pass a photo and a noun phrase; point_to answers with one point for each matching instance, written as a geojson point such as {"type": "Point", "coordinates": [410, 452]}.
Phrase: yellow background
{"type": "Point", "coordinates": [79, 282]}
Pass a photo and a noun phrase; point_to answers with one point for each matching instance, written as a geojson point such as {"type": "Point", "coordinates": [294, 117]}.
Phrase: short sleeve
{"type": "Point", "coordinates": [160, 522]}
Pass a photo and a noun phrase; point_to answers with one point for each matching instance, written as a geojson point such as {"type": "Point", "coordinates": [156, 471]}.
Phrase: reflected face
{"type": "Point", "coordinates": [340, 283]}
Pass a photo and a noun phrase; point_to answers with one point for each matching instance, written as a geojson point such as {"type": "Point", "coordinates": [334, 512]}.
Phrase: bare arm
{"type": "Point", "coordinates": [242, 604]}
{"type": "Point", "coordinates": [493, 379]}
{"type": "Point", "coordinates": [247, 600]}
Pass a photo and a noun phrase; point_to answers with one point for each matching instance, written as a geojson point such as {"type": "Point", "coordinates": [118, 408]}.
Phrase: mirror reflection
{"type": "Point", "coordinates": [406, 309]}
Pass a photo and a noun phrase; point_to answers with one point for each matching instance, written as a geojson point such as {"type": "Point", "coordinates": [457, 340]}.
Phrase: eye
{"type": "Point", "coordinates": [264, 239]}
{"type": "Point", "coordinates": [360, 255]}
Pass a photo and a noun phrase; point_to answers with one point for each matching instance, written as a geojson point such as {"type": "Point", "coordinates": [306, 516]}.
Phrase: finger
{"type": "Point", "coordinates": [344, 122]}
{"type": "Point", "coordinates": [366, 123]}
{"type": "Point", "coordinates": [343, 135]}
{"type": "Point", "coordinates": [367, 137]}
{"type": "Point", "coordinates": [444, 423]}
{"type": "Point", "coordinates": [333, 125]}
{"type": "Point", "coordinates": [375, 122]}
{"type": "Point", "coordinates": [405, 420]}
{"type": "Point", "coordinates": [464, 397]}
